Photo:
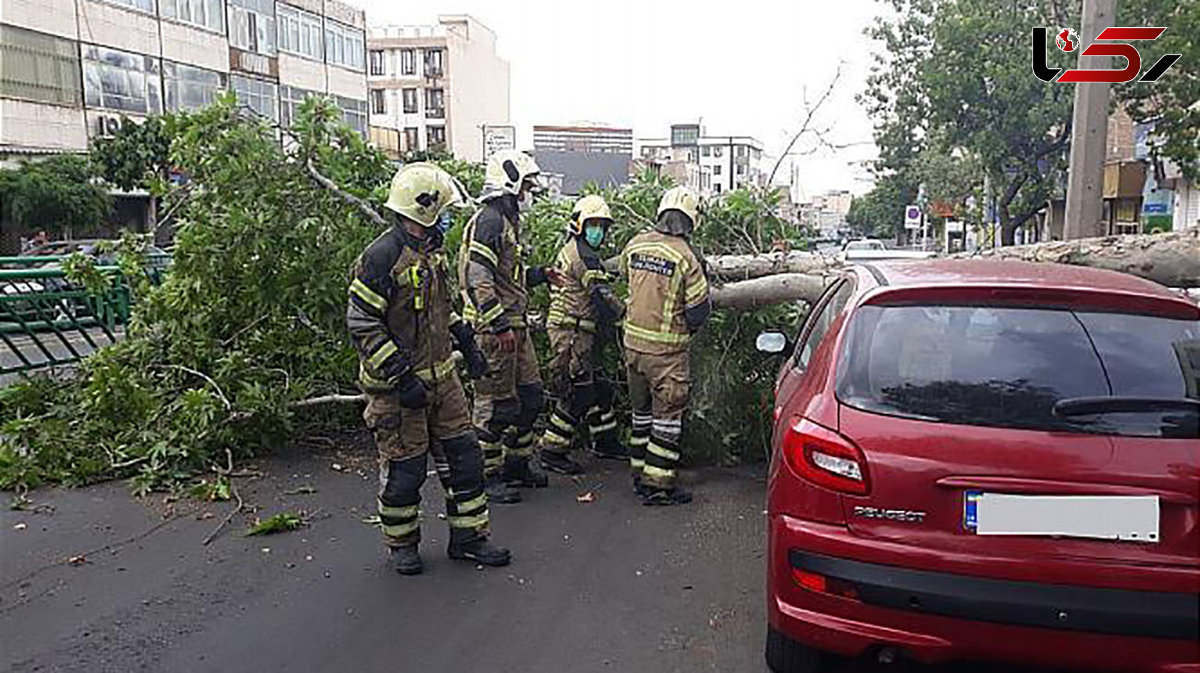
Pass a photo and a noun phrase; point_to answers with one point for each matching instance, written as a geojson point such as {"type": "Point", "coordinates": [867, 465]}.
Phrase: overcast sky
{"type": "Point", "coordinates": [737, 67]}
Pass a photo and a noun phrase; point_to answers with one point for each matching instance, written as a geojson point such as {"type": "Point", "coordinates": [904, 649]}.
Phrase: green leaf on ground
{"type": "Point", "coordinates": [280, 523]}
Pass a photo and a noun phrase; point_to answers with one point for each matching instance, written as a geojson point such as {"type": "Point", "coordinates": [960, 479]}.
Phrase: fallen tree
{"type": "Point", "coordinates": [1170, 259]}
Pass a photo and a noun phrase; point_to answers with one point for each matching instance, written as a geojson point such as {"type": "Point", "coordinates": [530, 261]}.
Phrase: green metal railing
{"type": "Point", "coordinates": [46, 321]}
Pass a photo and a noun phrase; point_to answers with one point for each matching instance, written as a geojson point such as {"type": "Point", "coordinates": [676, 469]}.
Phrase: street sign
{"type": "Point", "coordinates": [912, 217]}
{"type": "Point", "coordinates": [496, 138]}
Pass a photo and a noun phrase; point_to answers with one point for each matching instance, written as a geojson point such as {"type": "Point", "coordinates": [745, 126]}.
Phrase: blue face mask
{"type": "Point", "coordinates": [594, 236]}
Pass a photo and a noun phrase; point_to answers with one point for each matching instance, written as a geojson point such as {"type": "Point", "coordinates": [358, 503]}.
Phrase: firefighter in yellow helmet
{"type": "Point", "coordinates": [494, 281]}
{"type": "Point", "coordinates": [581, 309]}
{"type": "Point", "coordinates": [403, 327]}
{"type": "Point", "coordinates": [668, 302]}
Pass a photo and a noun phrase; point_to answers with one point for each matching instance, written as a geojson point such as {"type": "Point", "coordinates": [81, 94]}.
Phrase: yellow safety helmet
{"type": "Point", "coordinates": [682, 199]}
{"type": "Point", "coordinates": [590, 207]}
{"type": "Point", "coordinates": [421, 191]}
{"type": "Point", "coordinates": [507, 170]}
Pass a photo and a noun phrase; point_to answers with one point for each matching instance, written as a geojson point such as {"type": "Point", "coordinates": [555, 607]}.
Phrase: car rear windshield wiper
{"type": "Point", "coordinates": [1083, 406]}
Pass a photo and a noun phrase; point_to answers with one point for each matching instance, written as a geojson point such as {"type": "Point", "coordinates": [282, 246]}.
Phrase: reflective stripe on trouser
{"type": "Point", "coordinates": [466, 502]}
{"type": "Point", "coordinates": [662, 453]}
{"type": "Point", "coordinates": [400, 500]}
{"type": "Point", "coordinates": [601, 421]}
{"type": "Point", "coordinates": [493, 451]}
{"type": "Point", "coordinates": [468, 509]}
{"type": "Point", "coordinates": [559, 431]}
{"type": "Point", "coordinates": [518, 442]}
{"type": "Point", "coordinates": [638, 440]}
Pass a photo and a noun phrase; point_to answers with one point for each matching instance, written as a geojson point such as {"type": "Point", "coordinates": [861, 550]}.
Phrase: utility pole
{"type": "Point", "coordinates": [1089, 132]}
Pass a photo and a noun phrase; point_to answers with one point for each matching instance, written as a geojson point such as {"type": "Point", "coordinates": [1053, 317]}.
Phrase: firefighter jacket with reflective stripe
{"type": "Point", "coordinates": [586, 297]}
{"type": "Point", "coordinates": [399, 310]}
{"type": "Point", "coordinates": [491, 269]}
{"type": "Point", "coordinates": [668, 293]}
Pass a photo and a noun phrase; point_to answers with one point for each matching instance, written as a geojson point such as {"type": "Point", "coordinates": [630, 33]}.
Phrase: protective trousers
{"type": "Point", "coordinates": [659, 388]}
{"type": "Point", "coordinates": [404, 437]}
{"type": "Point", "coordinates": [580, 392]}
{"type": "Point", "coordinates": [507, 401]}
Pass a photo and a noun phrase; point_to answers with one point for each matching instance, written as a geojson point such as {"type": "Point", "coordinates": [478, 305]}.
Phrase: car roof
{"type": "Point", "coordinates": [936, 272]}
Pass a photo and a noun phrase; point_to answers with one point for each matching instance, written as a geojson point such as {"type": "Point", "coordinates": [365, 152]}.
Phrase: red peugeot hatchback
{"type": "Point", "coordinates": [988, 461]}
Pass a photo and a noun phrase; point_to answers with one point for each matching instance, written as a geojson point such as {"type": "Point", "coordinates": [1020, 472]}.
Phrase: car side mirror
{"type": "Point", "coordinates": [771, 343]}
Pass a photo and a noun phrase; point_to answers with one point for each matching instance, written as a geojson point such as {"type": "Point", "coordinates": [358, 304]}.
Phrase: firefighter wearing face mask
{"type": "Point", "coordinates": [581, 308]}
{"type": "Point", "coordinates": [403, 327]}
{"type": "Point", "coordinates": [668, 302]}
{"type": "Point", "coordinates": [495, 280]}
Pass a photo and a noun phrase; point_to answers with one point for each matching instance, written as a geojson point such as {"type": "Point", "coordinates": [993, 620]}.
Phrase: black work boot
{"type": "Point", "coordinates": [518, 473]}
{"type": "Point", "coordinates": [607, 446]}
{"type": "Point", "coordinates": [500, 492]}
{"type": "Point", "coordinates": [471, 545]}
{"type": "Point", "coordinates": [665, 497]}
{"type": "Point", "coordinates": [639, 487]}
{"type": "Point", "coordinates": [561, 463]}
{"type": "Point", "coordinates": [406, 560]}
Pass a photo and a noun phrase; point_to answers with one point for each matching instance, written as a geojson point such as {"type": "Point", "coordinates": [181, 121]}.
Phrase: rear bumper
{"type": "Point", "coordinates": [937, 616]}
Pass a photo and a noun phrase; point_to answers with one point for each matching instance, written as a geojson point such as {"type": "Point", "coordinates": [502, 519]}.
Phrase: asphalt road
{"type": "Point", "coordinates": [594, 587]}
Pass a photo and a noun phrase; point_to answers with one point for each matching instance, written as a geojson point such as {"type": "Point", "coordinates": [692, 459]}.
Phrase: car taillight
{"type": "Point", "coordinates": [825, 458]}
{"type": "Point", "coordinates": [825, 585]}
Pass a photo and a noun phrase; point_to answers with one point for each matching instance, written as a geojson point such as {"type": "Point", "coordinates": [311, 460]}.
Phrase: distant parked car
{"type": "Point", "coordinates": [864, 244]}
{"type": "Point", "coordinates": [978, 459]}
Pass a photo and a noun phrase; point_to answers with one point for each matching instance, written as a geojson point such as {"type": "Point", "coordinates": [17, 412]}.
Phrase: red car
{"type": "Point", "coordinates": [988, 461]}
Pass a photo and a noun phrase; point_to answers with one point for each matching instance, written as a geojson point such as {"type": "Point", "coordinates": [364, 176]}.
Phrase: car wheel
{"type": "Point", "coordinates": [785, 655]}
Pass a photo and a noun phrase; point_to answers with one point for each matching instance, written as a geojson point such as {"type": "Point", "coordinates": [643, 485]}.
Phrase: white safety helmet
{"type": "Point", "coordinates": [507, 171]}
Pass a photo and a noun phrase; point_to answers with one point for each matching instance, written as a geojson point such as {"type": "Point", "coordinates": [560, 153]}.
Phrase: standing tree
{"type": "Point", "coordinates": [958, 72]}
{"type": "Point", "coordinates": [61, 194]}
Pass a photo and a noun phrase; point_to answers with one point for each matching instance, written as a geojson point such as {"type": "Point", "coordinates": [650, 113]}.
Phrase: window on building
{"type": "Point", "coordinates": [433, 63]}
{"type": "Point", "coordinates": [435, 137]}
{"type": "Point", "coordinates": [718, 151]}
{"type": "Point", "coordinates": [252, 25]}
{"type": "Point", "coordinates": [120, 80]}
{"type": "Point", "coordinates": [412, 139]}
{"type": "Point", "coordinates": [408, 62]}
{"type": "Point", "coordinates": [299, 31]}
{"type": "Point", "coordinates": [705, 151]}
{"type": "Point", "coordinates": [187, 87]}
{"type": "Point", "coordinates": [410, 101]}
{"type": "Point", "coordinates": [40, 67]}
{"type": "Point", "coordinates": [375, 61]}
{"type": "Point", "coordinates": [344, 45]}
{"type": "Point", "coordinates": [716, 188]}
{"type": "Point", "coordinates": [259, 95]}
{"type": "Point", "coordinates": [717, 169]}
{"type": "Point", "coordinates": [354, 113]}
{"type": "Point", "coordinates": [378, 101]}
{"type": "Point", "coordinates": [741, 169]}
{"type": "Point", "coordinates": [290, 98]}
{"type": "Point", "coordinates": [208, 14]}
{"type": "Point", "coordinates": [143, 5]}
{"type": "Point", "coordinates": [435, 103]}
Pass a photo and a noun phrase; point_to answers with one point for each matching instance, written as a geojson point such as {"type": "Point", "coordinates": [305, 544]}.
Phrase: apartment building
{"type": "Point", "coordinates": [436, 87]}
{"type": "Point", "coordinates": [72, 70]}
{"type": "Point", "coordinates": [709, 164]}
{"type": "Point", "coordinates": [584, 154]}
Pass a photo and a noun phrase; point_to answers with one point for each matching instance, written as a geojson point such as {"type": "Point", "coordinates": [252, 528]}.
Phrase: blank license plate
{"type": "Point", "coordinates": [1128, 518]}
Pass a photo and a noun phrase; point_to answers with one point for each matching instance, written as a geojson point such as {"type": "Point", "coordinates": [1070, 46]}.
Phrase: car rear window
{"type": "Point", "coordinates": [1007, 367]}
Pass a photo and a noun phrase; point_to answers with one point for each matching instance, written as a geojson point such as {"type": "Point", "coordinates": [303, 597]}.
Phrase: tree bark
{"type": "Point", "coordinates": [769, 290]}
{"type": "Point", "coordinates": [1171, 259]}
{"type": "Point", "coordinates": [745, 267]}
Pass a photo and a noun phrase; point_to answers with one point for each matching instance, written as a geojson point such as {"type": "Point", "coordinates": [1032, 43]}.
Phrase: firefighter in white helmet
{"type": "Point", "coordinates": [668, 302]}
{"type": "Point", "coordinates": [494, 281]}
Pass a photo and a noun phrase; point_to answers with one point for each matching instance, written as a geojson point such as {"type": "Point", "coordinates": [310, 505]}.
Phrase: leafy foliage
{"type": "Point", "coordinates": [136, 156]}
{"type": "Point", "coordinates": [251, 316]}
{"type": "Point", "coordinates": [280, 523]}
{"type": "Point", "coordinates": [54, 194]}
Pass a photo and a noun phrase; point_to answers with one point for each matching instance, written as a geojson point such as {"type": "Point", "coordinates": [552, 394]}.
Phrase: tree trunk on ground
{"type": "Point", "coordinates": [769, 290]}
{"type": "Point", "coordinates": [1171, 259]}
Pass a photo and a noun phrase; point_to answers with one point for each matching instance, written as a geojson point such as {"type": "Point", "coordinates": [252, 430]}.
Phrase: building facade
{"type": "Point", "coordinates": [436, 87]}
{"type": "Point", "coordinates": [73, 70]}
{"type": "Point", "coordinates": [711, 165]}
{"type": "Point", "coordinates": [584, 154]}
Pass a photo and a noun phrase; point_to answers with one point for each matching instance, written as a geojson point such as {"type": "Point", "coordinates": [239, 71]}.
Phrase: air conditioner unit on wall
{"type": "Point", "coordinates": [105, 125]}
